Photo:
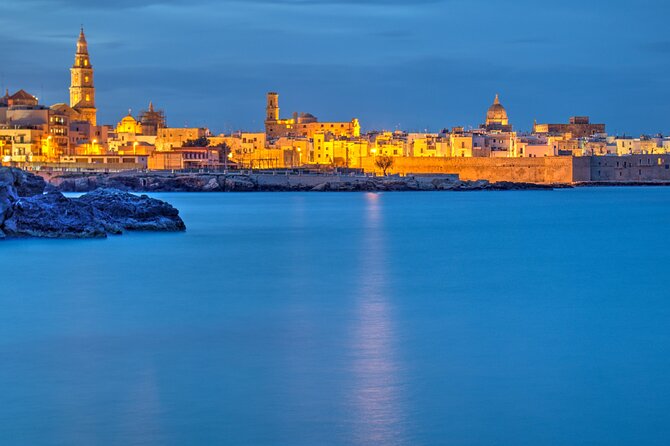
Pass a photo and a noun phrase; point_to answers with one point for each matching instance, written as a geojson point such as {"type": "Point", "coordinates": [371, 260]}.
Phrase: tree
{"type": "Point", "coordinates": [384, 162]}
{"type": "Point", "coordinates": [203, 141]}
{"type": "Point", "coordinates": [224, 153]}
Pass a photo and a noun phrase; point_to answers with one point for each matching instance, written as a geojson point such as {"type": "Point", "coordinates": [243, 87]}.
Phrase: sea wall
{"type": "Point", "coordinates": [545, 170]}
{"type": "Point", "coordinates": [630, 169]}
{"type": "Point", "coordinates": [268, 181]}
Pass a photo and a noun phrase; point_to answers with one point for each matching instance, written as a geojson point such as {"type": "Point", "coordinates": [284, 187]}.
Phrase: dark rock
{"type": "Point", "coordinates": [132, 212]}
{"type": "Point", "coordinates": [28, 184]}
{"type": "Point", "coordinates": [211, 186]}
{"type": "Point", "coordinates": [53, 216]}
{"type": "Point", "coordinates": [6, 177]}
{"type": "Point", "coordinates": [239, 184]}
{"type": "Point", "coordinates": [25, 211]}
{"type": "Point", "coordinates": [7, 199]}
{"type": "Point", "coordinates": [15, 183]}
{"type": "Point", "coordinates": [272, 182]}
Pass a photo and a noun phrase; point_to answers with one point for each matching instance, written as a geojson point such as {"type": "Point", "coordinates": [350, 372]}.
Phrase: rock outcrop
{"type": "Point", "coordinates": [26, 211]}
{"type": "Point", "coordinates": [270, 182]}
{"type": "Point", "coordinates": [54, 216]}
{"type": "Point", "coordinates": [133, 213]}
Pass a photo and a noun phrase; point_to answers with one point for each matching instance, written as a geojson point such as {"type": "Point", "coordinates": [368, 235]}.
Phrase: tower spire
{"type": "Point", "coordinates": [82, 46]}
{"type": "Point", "coordinates": [497, 99]}
{"type": "Point", "coordinates": [82, 90]}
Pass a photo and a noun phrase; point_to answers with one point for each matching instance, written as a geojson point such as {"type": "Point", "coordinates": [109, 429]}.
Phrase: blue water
{"type": "Point", "coordinates": [511, 318]}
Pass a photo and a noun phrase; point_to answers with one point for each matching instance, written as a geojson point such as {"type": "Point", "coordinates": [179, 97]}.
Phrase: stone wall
{"type": "Point", "coordinates": [630, 169]}
{"type": "Point", "coordinates": [518, 170]}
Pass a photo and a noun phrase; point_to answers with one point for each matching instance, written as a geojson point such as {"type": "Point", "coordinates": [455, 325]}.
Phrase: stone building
{"type": "Point", "coordinates": [496, 117]}
{"type": "Point", "coordinates": [169, 138]}
{"type": "Point", "coordinates": [303, 124]}
{"type": "Point", "coordinates": [152, 120]}
{"type": "Point", "coordinates": [30, 132]}
{"type": "Point", "coordinates": [578, 127]}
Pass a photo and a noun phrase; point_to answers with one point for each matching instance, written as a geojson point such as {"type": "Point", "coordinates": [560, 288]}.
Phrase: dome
{"type": "Point", "coordinates": [128, 125]}
{"type": "Point", "coordinates": [306, 118]}
{"type": "Point", "coordinates": [128, 119]}
{"type": "Point", "coordinates": [497, 113]}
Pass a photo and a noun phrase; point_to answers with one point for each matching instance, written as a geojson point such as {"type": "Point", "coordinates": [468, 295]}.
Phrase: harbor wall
{"type": "Point", "coordinates": [545, 170]}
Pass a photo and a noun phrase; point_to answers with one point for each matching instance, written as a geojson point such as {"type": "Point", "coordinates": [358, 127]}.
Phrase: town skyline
{"type": "Point", "coordinates": [226, 94]}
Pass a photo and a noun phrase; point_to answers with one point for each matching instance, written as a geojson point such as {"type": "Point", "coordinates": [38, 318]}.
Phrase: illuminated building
{"type": "Point", "coordinates": [578, 127]}
{"type": "Point", "coordinates": [129, 125]}
{"type": "Point", "coordinates": [82, 91]}
{"type": "Point", "coordinates": [303, 124]}
{"type": "Point", "coordinates": [174, 137]}
{"type": "Point", "coordinates": [496, 117]}
{"type": "Point", "coordinates": [31, 132]}
{"type": "Point", "coordinates": [152, 120]}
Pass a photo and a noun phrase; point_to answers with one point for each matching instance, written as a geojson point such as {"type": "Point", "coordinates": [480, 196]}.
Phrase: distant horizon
{"type": "Point", "coordinates": [394, 65]}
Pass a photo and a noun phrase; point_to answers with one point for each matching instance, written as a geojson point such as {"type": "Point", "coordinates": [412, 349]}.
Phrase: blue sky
{"type": "Point", "coordinates": [422, 64]}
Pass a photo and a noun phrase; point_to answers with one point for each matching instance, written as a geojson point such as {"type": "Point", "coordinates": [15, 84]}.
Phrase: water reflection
{"type": "Point", "coordinates": [376, 380]}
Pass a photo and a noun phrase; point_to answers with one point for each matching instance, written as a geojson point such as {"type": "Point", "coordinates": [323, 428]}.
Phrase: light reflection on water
{"type": "Point", "coordinates": [348, 319]}
{"type": "Point", "coordinates": [377, 384]}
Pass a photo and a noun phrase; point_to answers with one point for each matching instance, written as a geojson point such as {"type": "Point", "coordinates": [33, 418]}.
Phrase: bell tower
{"type": "Point", "coordinates": [272, 107]}
{"type": "Point", "coordinates": [82, 91]}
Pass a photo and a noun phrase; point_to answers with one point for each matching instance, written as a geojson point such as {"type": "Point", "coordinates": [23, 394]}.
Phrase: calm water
{"type": "Point", "coordinates": [514, 318]}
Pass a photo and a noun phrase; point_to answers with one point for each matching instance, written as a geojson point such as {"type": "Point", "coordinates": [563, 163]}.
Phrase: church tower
{"type": "Point", "coordinates": [272, 108]}
{"type": "Point", "coordinates": [82, 91]}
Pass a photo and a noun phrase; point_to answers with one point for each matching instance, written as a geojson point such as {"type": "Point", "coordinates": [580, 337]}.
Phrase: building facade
{"type": "Point", "coordinates": [303, 125]}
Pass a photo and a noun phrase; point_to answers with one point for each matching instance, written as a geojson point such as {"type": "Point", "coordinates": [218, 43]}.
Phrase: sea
{"type": "Point", "coordinates": [408, 318]}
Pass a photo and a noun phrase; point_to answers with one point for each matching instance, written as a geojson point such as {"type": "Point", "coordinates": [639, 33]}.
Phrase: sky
{"type": "Point", "coordinates": [414, 65]}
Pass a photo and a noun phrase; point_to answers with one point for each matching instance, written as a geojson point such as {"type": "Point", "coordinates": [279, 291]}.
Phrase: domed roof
{"type": "Point", "coordinates": [129, 118]}
{"type": "Point", "coordinates": [497, 113]}
{"type": "Point", "coordinates": [306, 118]}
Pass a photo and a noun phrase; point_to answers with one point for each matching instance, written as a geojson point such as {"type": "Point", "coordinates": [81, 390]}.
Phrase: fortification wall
{"type": "Point", "coordinates": [519, 170]}
{"type": "Point", "coordinates": [631, 168]}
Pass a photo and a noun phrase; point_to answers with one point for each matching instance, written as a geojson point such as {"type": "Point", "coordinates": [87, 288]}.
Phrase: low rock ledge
{"type": "Point", "coordinates": [26, 211]}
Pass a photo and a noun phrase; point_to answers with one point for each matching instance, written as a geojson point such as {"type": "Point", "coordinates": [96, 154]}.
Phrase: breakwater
{"type": "Point", "coordinates": [270, 182]}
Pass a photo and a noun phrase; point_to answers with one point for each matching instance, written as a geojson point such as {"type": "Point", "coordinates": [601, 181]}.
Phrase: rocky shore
{"type": "Point", "coordinates": [27, 211]}
{"type": "Point", "coordinates": [235, 182]}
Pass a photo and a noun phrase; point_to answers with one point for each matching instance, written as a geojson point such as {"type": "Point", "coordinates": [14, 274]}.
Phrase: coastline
{"type": "Point", "coordinates": [28, 210]}
{"type": "Point", "coordinates": [274, 182]}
